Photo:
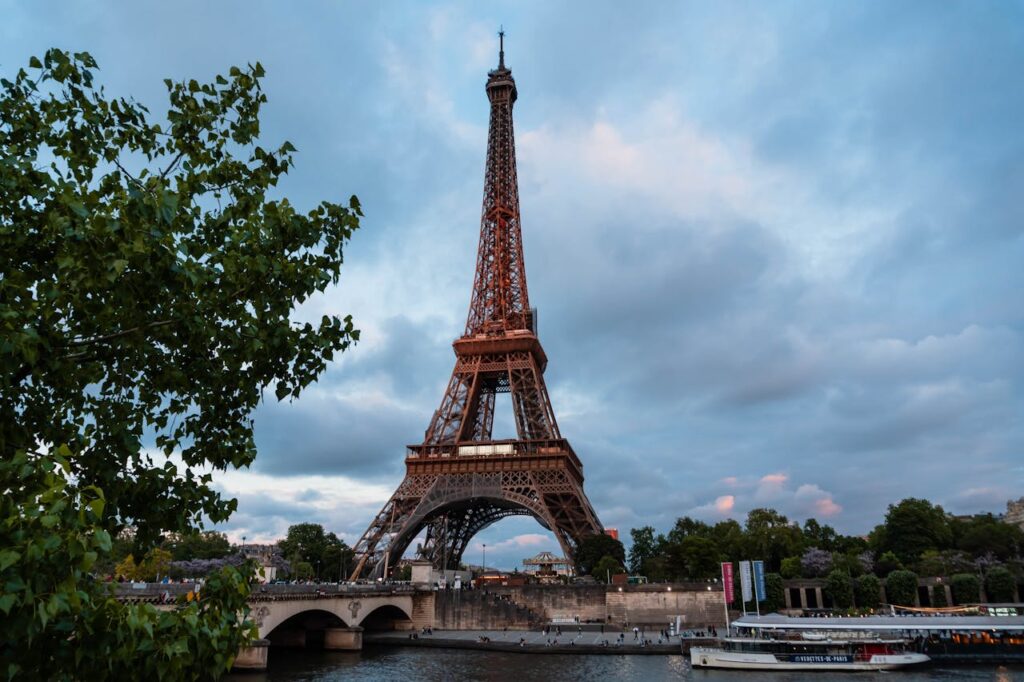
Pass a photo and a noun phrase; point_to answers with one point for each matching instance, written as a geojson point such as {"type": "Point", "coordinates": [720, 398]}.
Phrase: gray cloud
{"type": "Point", "coordinates": [763, 240]}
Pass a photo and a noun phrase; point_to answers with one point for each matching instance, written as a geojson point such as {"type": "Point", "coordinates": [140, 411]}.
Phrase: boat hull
{"type": "Point", "coordinates": [701, 657]}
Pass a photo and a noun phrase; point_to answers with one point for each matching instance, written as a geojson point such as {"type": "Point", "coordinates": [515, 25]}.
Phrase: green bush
{"type": "Point", "coordinates": [839, 587]}
{"type": "Point", "coordinates": [887, 563]}
{"type": "Point", "coordinates": [939, 596]}
{"type": "Point", "coordinates": [966, 588]}
{"type": "Point", "coordinates": [901, 588]}
{"type": "Point", "coordinates": [868, 589]}
{"type": "Point", "coordinates": [775, 599]}
{"type": "Point", "coordinates": [999, 584]}
{"type": "Point", "coordinates": [790, 568]}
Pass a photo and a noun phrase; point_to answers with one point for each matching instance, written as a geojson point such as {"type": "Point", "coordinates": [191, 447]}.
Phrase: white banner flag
{"type": "Point", "coordinates": [745, 583]}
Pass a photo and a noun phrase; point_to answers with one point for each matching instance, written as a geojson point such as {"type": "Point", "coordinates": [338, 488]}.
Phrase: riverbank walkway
{"type": "Point", "coordinates": [573, 640]}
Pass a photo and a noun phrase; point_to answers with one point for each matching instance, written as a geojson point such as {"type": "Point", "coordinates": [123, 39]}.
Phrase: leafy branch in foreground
{"type": "Point", "coordinates": [147, 285]}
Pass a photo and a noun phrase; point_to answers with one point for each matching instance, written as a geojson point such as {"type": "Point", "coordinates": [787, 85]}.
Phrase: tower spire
{"type": "Point", "coordinates": [501, 47]}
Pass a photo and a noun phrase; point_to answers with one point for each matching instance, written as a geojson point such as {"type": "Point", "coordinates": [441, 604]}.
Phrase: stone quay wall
{"type": "Point", "coordinates": [530, 605]}
{"type": "Point", "coordinates": [480, 610]}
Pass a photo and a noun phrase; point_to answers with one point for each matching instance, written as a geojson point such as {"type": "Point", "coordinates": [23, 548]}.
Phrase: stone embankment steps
{"type": "Point", "coordinates": [481, 610]}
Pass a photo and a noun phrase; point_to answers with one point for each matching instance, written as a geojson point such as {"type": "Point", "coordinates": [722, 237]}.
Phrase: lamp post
{"type": "Point", "coordinates": [483, 567]}
{"type": "Point", "coordinates": [243, 544]}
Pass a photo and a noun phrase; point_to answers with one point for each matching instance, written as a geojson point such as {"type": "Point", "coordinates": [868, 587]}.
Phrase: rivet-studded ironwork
{"type": "Point", "coordinates": [459, 480]}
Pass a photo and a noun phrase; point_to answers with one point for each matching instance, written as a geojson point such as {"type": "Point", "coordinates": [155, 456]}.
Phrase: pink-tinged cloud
{"type": "Point", "coordinates": [730, 481]}
{"type": "Point", "coordinates": [725, 503]}
{"type": "Point", "coordinates": [774, 479]}
{"type": "Point", "coordinates": [826, 507]}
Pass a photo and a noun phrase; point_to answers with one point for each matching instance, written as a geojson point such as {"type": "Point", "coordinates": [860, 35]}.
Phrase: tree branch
{"type": "Point", "coordinates": [117, 335]}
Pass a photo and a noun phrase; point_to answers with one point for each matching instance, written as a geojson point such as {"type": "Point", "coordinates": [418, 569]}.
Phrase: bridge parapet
{"type": "Point", "coordinates": [161, 593]}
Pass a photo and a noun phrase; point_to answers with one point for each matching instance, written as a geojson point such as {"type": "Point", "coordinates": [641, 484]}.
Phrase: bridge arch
{"type": "Point", "coordinates": [293, 616]}
{"type": "Point", "coordinates": [386, 617]}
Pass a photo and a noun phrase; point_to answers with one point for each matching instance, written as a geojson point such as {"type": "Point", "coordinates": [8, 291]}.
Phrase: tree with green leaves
{"type": "Point", "coordinates": [592, 548]}
{"type": "Point", "coordinates": [912, 527]}
{"type": "Point", "coordinates": [147, 286]}
{"type": "Point", "coordinates": [695, 558]}
{"type": "Point", "coordinates": [772, 538]}
{"type": "Point", "coordinates": [642, 549]}
{"type": "Point", "coordinates": [208, 544]}
{"type": "Point", "coordinates": [985, 534]}
{"type": "Point", "coordinates": [606, 567]}
{"type": "Point", "coordinates": [309, 543]}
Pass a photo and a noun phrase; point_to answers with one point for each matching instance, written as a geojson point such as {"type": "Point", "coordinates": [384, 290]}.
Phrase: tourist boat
{"type": "Point", "coordinates": [805, 654]}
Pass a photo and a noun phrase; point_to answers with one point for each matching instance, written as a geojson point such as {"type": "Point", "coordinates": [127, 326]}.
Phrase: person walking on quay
{"type": "Point", "coordinates": [636, 634]}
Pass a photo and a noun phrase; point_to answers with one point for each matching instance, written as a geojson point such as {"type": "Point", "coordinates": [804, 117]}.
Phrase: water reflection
{"type": "Point", "coordinates": [442, 665]}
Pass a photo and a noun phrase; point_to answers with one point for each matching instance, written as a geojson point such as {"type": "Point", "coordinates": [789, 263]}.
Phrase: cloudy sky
{"type": "Point", "coordinates": [777, 249]}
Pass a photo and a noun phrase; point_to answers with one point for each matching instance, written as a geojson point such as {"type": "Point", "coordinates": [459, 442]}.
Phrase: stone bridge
{"type": "Point", "coordinates": [331, 617]}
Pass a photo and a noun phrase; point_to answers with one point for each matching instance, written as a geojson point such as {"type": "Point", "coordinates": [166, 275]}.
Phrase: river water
{"type": "Point", "coordinates": [427, 665]}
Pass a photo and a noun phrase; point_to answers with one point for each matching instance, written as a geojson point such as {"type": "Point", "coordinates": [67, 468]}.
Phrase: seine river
{"type": "Point", "coordinates": [416, 665]}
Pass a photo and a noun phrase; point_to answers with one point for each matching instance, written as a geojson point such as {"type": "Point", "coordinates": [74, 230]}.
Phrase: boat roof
{"type": "Point", "coordinates": [917, 622]}
{"type": "Point", "coordinates": [813, 642]}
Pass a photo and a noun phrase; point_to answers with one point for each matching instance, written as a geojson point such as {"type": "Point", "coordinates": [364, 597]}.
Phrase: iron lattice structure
{"type": "Point", "coordinates": [460, 481]}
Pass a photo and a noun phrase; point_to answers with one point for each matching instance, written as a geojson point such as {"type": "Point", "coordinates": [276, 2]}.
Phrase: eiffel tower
{"type": "Point", "coordinates": [460, 481]}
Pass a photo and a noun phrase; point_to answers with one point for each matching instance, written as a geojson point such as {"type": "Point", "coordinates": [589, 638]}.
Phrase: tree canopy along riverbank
{"type": "Point", "coordinates": [147, 285]}
{"type": "Point", "coordinates": [915, 538]}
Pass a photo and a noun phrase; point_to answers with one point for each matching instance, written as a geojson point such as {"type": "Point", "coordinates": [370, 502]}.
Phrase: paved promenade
{"type": "Point", "coordinates": [588, 640]}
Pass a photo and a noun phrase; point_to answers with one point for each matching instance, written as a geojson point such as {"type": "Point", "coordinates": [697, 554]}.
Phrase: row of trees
{"type": "Point", "coordinates": [915, 536]}
{"type": "Point", "coordinates": [307, 551]}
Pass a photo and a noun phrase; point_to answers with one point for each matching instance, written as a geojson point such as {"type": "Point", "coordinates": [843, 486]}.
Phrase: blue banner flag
{"type": "Point", "coordinates": [759, 587]}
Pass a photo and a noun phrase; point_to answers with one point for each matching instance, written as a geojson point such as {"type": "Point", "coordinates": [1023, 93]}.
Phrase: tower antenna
{"type": "Point", "coordinates": [501, 47]}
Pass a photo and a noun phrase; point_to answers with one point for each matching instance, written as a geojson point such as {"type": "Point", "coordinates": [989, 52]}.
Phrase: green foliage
{"type": "Point", "coordinates": [790, 567]}
{"type": "Point", "coordinates": [999, 585]}
{"type": "Point", "coordinates": [822, 537]}
{"type": "Point", "coordinates": [775, 593]}
{"type": "Point", "coordinates": [606, 566]}
{"type": "Point", "coordinates": [197, 545]}
{"type": "Point", "coordinates": [595, 547]}
{"type": "Point", "coordinates": [694, 558]}
{"type": "Point", "coordinates": [772, 538]}
{"type": "Point", "coordinates": [307, 542]}
{"type": "Point", "coordinates": [868, 591]}
{"type": "Point", "coordinates": [985, 534]}
{"type": "Point", "coordinates": [839, 587]}
{"type": "Point", "coordinates": [302, 570]}
{"type": "Point", "coordinates": [901, 588]}
{"type": "Point", "coordinates": [147, 286]}
{"type": "Point", "coordinates": [939, 596]}
{"type": "Point", "coordinates": [887, 563]}
{"type": "Point", "coordinates": [966, 588]}
{"type": "Point", "coordinates": [642, 549]}
{"type": "Point", "coordinates": [911, 528]}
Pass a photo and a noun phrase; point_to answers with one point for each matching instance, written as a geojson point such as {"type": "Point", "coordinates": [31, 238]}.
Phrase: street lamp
{"type": "Point", "coordinates": [243, 544]}
{"type": "Point", "coordinates": [483, 568]}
